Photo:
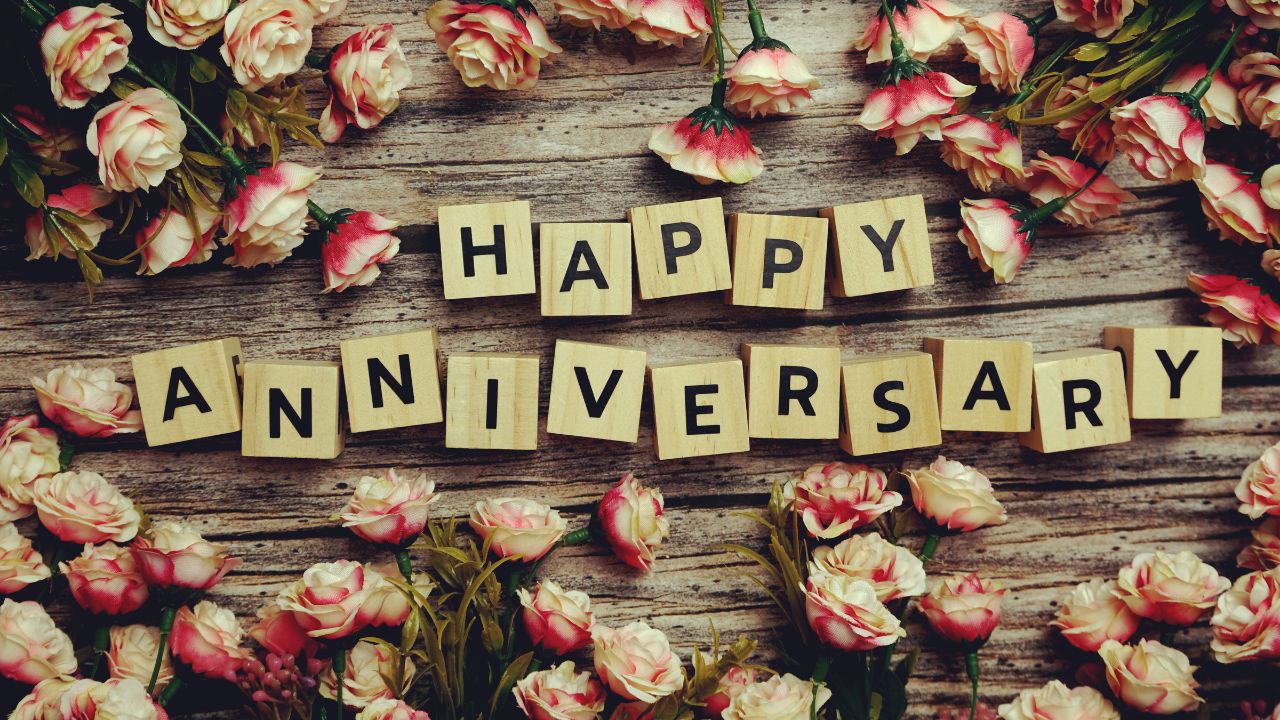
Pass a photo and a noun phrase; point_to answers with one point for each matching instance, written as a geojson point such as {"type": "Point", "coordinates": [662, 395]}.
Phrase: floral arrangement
{"type": "Point", "coordinates": [458, 624]}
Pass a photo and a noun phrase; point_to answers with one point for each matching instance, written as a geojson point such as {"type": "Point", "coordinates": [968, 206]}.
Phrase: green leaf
{"type": "Point", "coordinates": [122, 88]}
{"type": "Point", "coordinates": [514, 672]}
{"type": "Point", "coordinates": [892, 692]}
{"type": "Point", "coordinates": [1134, 27]}
{"type": "Point", "coordinates": [4, 148]}
{"type": "Point", "coordinates": [65, 454]}
{"type": "Point", "coordinates": [1090, 52]}
{"type": "Point", "coordinates": [907, 665]}
{"type": "Point", "coordinates": [26, 182]}
{"type": "Point", "coordinates": [202, 71]}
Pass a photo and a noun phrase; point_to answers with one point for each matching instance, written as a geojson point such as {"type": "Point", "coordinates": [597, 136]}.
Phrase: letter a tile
{"type": "Point", "coordinates": [189, 392]}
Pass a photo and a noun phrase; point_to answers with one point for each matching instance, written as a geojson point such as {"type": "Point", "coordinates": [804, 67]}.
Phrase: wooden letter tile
{"type": "Point", "coordinates": [189, 392]}
{"type": "Point", "coordinates": [983, 385]}
{"type": "Point", "coordinates": [487, 250]}
{"type": "Point", "coordinates": [596, 391]}
{"type": "Point", "coordinates": [699, 408]}
{"type": "Point", "coordinates": [879, 246]}
{"type": "Point", "coordinates": [291, 409]}
{"type": "Point", "coordinates": [778, 261]}
{"type": "Point", "coordinates": [392, 380]}
{"type": "Point", "coordinates": [586, 268]}
{"type": "Point", "coordinates": [681, 248]}
{"type": "Point", "coordinates": [793, 391]}
{"type": "Point", "coordinates": [1078, 401]}
{"type": "Point", "coordinates": [890, 403]}
{"type": "Point", "coordinates": [492, 401]}
{"type": "Point", "coordinates": [1170, 372]}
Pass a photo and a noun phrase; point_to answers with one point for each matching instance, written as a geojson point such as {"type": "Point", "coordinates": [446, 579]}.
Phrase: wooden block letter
{"type": "Point", "coordinates": [586, 268]}
{"type": "Point", "coordinates": [880, 245]}
{"type": "Point", "coordinates": [793, 391]}
{"type": "Point", "coordinates": [189, 392]}
{"type": "Point", "coordinates": [1078, 401]}
{"type": "Point", "coordinates": [699, 408]}
{"type": "Point", "coordinates": [1170, 372]}
{"type": "Point", "coordinates": [983, 385]}
{"type": "Point", "coordinates": [492, 401]}
{"type": "Point", "coordinates": [681, 248]}
{"type": "Point", "coordinates": [890, 403]}
{"type": "Point", "coordinates": [596, 391]}
{"type": "Point", "coordinates": [291, 409]}
{"type": "Point", "coordinates": [392, 380]}
{"type": "Point", "coordinates": [778, 261]}
{"type": "Point", "coordinates": [487, 250]}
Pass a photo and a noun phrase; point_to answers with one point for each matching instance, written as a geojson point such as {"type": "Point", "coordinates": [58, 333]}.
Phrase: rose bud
{"type": "Point", "coordinates": [636, 662]}
{"type": "Point", "coordinates": [515, 527]}
{"type": "Point", "coordinates": [87, 403]}
{"type": "Point", "coordinates": [391, 710]}
{"type": "Point", "coordinates": [925, 26]}
{"type": "Point", "coordinates": [52, 142]}
{"type": "Point", "coordinates": [173, 555]}
{"type": "Point", "coordinates": [351, 254]}
{"type": "Point", "coordinates": [137, 140]}
{"type": "Point", "coordinates": [1258, 77]}
{"type": "Point", "coordinates": [1150, 677]}
{"type": "Point", "coordinates": [1090, 135]}
{"type": "Point", "coordinates": [1056, 701]}
{"type": "Point", "coordinates": [184, 24]}
{"type": "Point", "coordinates": [769, 80]}
{"type": "Point", "coordinates": [20, 564]}
{"type": "Point", "coordinates": [81, 200]}
{"type": "Point", "coordinates": [1232, 204]}
{"type": "Point", "coordinates": [955, 497]}
{"type": "Point", "coordinates": [845, 614]}
{"type": "Point", "coordinates": [1259, 487]}
{"type": "Point", "coordinates": [912, 108]}
{"type": "Point", "coordinates": [1161, 137]}
{"type": "Point", "coordinates": [28, 452]}
{"type": "Point", "coordinates": [334, 600]}
{"type": "Point", "coordinates": [631, 516]}
{"type": "Point", "coordinates": [1220, 104]}
{"type": "Point", "coordinates": [266, 219]}
{"type": "Point", "coordinates": [44, 701]}
{"type": "Point", "coordinates": [1246, 314]}
{"type": "Point", "coordinates": [666, 22]}
{"type": "Point", "coordinates": [1263, 551]}
{"type": "Point", "coordinates": [82, 507]}
{"type": "Point", "coordinates": [997, 235]}
{"type": "Point", "coordinates": [208, 638]}
{"type": "Point", "coordinates": [32, 648]}
{"type": "Point", "coordinates": [1002, 45]}
{"type": "Point", "coordinates": [781, 697]}
{"type": "Point", "coordinates": [1246, 623]}
{"type": "Point", "coordinates": [560, 693]}
{"type": "Point", "coordinates": [171, 239]}
{"type": "Point", "coordinates": [964, 609]}
{"type": "Point", "coordinates": [892, 570]}
{"type": "Point", "coordinates": [1100, 17]}
{"type": "Point", "coordinates": [265, 41]}
{"type": "Point", "coordinates": [1094, 614]}
{"type": "Point", "coordinates": [835, 498]}
{"type": "Point", "coordinates": [1170, 589]}
{"type": "Point", "coordinates": [733, 682]}
{"type": "Point", "coordinates": [81, 48]}
{"type": "Point", "coordinates": [278, 631]}
{"type": "Point", "coordinates": [594, 14]}
{"type": "Point", "coordinates": [491, 45]}
{"type": "Point", "coordinates": [985, 150]}
{"type": "Point", "coordinates": [1053, 176]}
{"type": "Point", "coordinates": [367, 71]}
{"type": "Point", "coordinates": [105, 580]}
{"type": "Point", "coordinates": [369, 665]}
{"type": "Point", "coordinates": [390, 510]}
{"type": "Point", "coordinates": [132, 652]}
{"type": "Point", "coordinates": [556, 619]}
{"type": "Point", "coordinates": [114, 699]}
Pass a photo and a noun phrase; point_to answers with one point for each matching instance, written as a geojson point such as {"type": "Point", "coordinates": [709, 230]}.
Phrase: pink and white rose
{"type": "Point", "coordinates": [278, 631]}
{"type": "Point", "coordinates": [334, 600]}
{"type": "Point", "coordinates": [81, 47]}
{"type": "Point", "coordinates": [137, 140]}
{"type": "Point", "coordinates": [87, 403]}
{"type": "Point", "coordinates": [53, 142]}
{"type": "Point", "coordinates": [28, 452]}
{"type": "Point", "coordinates": [1150, 677]}
{"type": "Point", "coordinates": [926, 27]}
{"type": "Point", "coordinates": [174, 239]}
{"type": "Point", "coordinates": [265, 41]}
{"type": "Point", "coordinates": [1232, 205]}
{"type": "Point", "coordinates": [1053, 176]}
{"type": "Point", "coordinates": [391, 509]}
{"type": "Point", "coordinates": [20, 564]}
{"type": "Point", "coordinates": [185, 24]}
{"type": "Point", "coordinates": [955, 496]}
{"type": "Point", "coordinates": [666, 22]}
{"type": "Point", "coordinates": [1093, 614]}
{"type": "Point", "coordinates": [912, 108]}
{"type": "Point", "coordinates": [594, 14]}
{"type": "Point", "coordinates": [1246, 314]}
{"type": "Point", "coordinates": [175, 555]}
{"type": "Point", "coordinates": [1170, 589]}
{"type": "Point", "coordinates": [491, 45]}
{"type": "Point", "coordinates": [636, 662]}
{"type": "Point", "coordinates": [352, 254]}
{"type": "Point", "coordinates": [44, 701]}
{"type": "Point", "coordinates": [32, 648]}
{"type": "Point", "coordinates": [1162, 139]}
{"type": "Point", "coordinates": [209, 639]}
{"type": "Point", "coordinates": [893, 571]}
{"type": "Point", "coordinates": [1270, 193]}
{"type": "Point", "coordinates": [1263, 552]}
{"type": "Point", "coordinates": [731, 683]}
{"type": "Point", "coordinates": [964, 609]}
{"type": "Point", "coordinates": [781, 697]}
{"type": "Point", "coordinates": [845, 613]}
{"type": "Point", "coordinates": [1259, 487]}
{"type": "Point", "coordinates": [706, 151]}
{"type": "Point", "coordinates": [266, 219]}
{"type": "Point", "coordinates": [1003, 46]}
{"type": "Point", "coordinates": [984, 150]}
{"type": "Point", "coordinates": [631, 515]}
{"type": "Point", "coordinates": [556, 619]}
{"type": "Point", "coordinates": [1092, 136]}
{"type": "Point", "coordinates": [560, 693]}
{"type": "Point", "coordinates": [1220, 105]}
{"type": "Point", "coordinates": [131, 655]}
{"type": "Point", "coordinates": [995, 237]}
{"type": "Point", "coordinates": [114, 699]}
{"type": "Point", "coordinates": [769, 81]}
{"type": "Point", "coordinates": [80, 200]}
{"type": "Point", "coordinates": [1258, 77]}
{"type": "Point", "coordinates": [1099, 17]}
{"type": "Point", "coordinates": [82, 507]}
{"type": "Point", "coordinates": [367, 71]}
{"type": "Point", "coordinates": [1263, 13]}
{"type": "Point", "coordinates": [391, 710]}
{"type": "Point", "coordinates": [516, 527]}
{"type": "Point", "coordinates": [369, 665]}
{"type": "Point", "coordinates": [1246, 622]}
{"type": "Point", "coordinates": [1056, 701]}
{"type": "Point", "coordinates": [105, 580]}
{"type": "Point", "coordinates": [838, 497]}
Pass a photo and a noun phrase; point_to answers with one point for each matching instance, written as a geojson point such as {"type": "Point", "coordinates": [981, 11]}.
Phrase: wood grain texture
{"type": "Point", "coordinates": [575, 148]}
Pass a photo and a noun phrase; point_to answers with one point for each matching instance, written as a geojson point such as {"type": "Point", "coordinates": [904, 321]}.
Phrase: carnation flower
{"type": "Point", "coordinates": [983, 149]}
{"type": "Point", "coordinates": [781, 697]}
{"type": "Point", "coordinates": [1232, 205]}
{"type": "Point", "coordinates": [954, 496]}
{"type": "Point", "coordinates": [1056, 701]}
{"type": "Point", "coordinates": [82, 507]}
{"type": "Point", "coordinates": [709, 145]}
{"type": "Point", "coordinates": [557, 620]}
{"type": "Point", "coordinates": [1258, 77]}
{"type": "Point", "coordinates": [104, 579]}
{"type": "Point", "coordinates": [1259, 487]}
{"type": "Point", "coordinates": [52, 142]}
{"type": "Point", "coordinates": [1054, 176]}
{"type": "Point", "coordinates": [997, 235]}
{"type": "Point", "coordinates": [265, 41]}
{"type": "Point", "coordinates": [20, 564]}
{"type": "Point", "coordinates": [1003, 46]}
{"type": "Point", "coordinates": [32, 648]}
{"type": "Point", "coordinates": [631, 516]}
{"type": "Point", "coordinates": [185, 24]}
{"type": "Point", "coordinates": [174, 239]}
{"type": "Point", "coordinates": [390, 510]}
{"type": "Point", "coordinates": [131, 655]}
{"type": "Point", "coordinates": [1246, 622]}
{"type": "Point", "coordinates": [173, 555]}
{"type": "Point", "coordinates": [208, 638]}
{"type": "Point", "coordinates": [666, 22]}
{"type": "Point", "coordinates": [1161, 137]}
{"type": "Point", "coordinates": [1099, 17]}
{"type": "Point", "coordinates": [1171, 589]}
{"type": "Point", "coordinates": [560, 693]}
{"type": "Point", "coordinates": [1220, 104]}
{"type": "Point", "coordinates": [137, 140]}
{"type": "Point", "coordinates": [1263, 552]}
{"type": "Point", "coordinates": [334, 600]}
{"type": "Point", "coordinates": [369, 665]}
{"type": "Point", "coordinates": [83, 201]}
{"type": "Point", "coordinates": [912, 108]}
{"type": "Point", "coordinates": [492, 45]}
{"type": "Point", "coordinates": [354, 250]}
{"type": "Point", "coordinates": [1246, 314]}
{"type": "Point", "coordinates": [835, 498]}
{"type": "Point", "coordinates": [1150, 677]}
{"type": "Point", "coordinates": [515, 527]}
{"type": "Point", "coordinates": [266, 219]}
{"type": "Point", "coordinates": [1091, 135]}
{"type": "Point", "coordinates": [893, 571]}
{"type": "Point", "coordinates": [769, 80]}
{"type": "Point", "coordinates": [28, 452]}
{"type": "Point", "coordinates": [845, 614]}
{"type": "Point", "coordinates": [964, 609]}
{"type": "Point", "coordinates": [594, 14]}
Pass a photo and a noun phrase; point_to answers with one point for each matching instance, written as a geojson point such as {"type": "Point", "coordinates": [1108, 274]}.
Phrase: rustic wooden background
{"type": "Point", "coordinates": [576, 148]}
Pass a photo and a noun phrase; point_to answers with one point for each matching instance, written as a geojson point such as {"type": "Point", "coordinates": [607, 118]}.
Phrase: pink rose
{"type": "Point", "coordinates": [1220, 105]}
{"type": "Point", "coordinates": [32, 648]}
{"type": "Point", "coordinates": [964, 609]}
{"type": "Point", "coordinates": [955, 496]}
{"type": "Point", "coordinates": [265, 41]}
{"type": "Point", "coordinates": [491, 45]}
{"type": "Point", "coordinates": [1092, 136]}
{"type": "Point", "coordinates": [925, 27]}
{"type": "Point", "coordinates": [53, 143]}
{"type": "Point", "coordinates": [28, 452]}
{"type": "Point", "coordinates": [1003, 46]}
{"type": "Point", "coordinates": [1150, 677]}
{"type": "Point", "coordinates": [893, 571]}
{"type": "Point", "coordinates": [633, 521]}
{"type": "Point", "coordinates": [1263, 13]}
{"type": "Point", "coordinates": [1246, 314]}
{"type": "Point", "coordinates": [1258, 77]}
{"type": "Point", "coordinates": [114, 699]}
{"type": "Point", "coordinates": [390, 510]}
{"type": "Point", "coordinates": [1259, 487]}
{"type": "Point", "coordinates": [637, 663]}
{"type": "Point", "coordinates": [995, 236]}
{"type": "Point", "coordinates": [352, 253]}
{"type": "Point", "coordinates": [1246, 623]}
{"type": "Point", "coordinates": [1094, 614]}
{"type": "Point", "coordinates": [1232, 204]}
{"type": "Point", "coordinates": [172, 239]}
{"type": "Point", "coordinates": [20, 564]}
{"type": "Point", "coordinates": [845, 614]}
{"type": "Point", "coordinates": [835, 498]}
{"type": "Point", "coordinates": [82, 507]}
{"type": "Point", "coordinates": [731, 684]}
{"type": "Point", "coordinates": [1263, 552]}
{"type": "Point", "coordinates": [594, 14]}
{"type": "Point", "coordinates": [1100, 17]}
{"type": "Point", "coordinates": [278, 631]}
{"type": "Point", "coordinates": [666, 22]}
{"type": "Point", "coordinates": [1161, 138]}
{"type": "Point", "coordinates": [781, 697]}
{"type": "Point", "coordinates": [137, 140]}
{"type": "Point", "coordinates": [173, 555]}
{"type": "Point", "coordinates": [334, 600]}
{"type": "Point", "coordinates": [325, 10]}
{"type": "Point", "coordinates": [81, 48]}
{"type": "Point", "coordinates": [985, 150]}
{"type": "Point", "coordinates": [1170, 589]}
{"type": "Point", "coordinates": [391, 710]}
{"type": "Point", "coordinates": [1269, 190]}
{"type": "Point", "coordinates": [44, 700]}
{"type": "Point", "coordinates": [710, 146]}
{"type": "Point", "coordinates": [367, 71]}
{"type": "Point", "coordinates": [87, 403]}
{"type": "Point", "coordinates": [560, 693]}
{"type": "Point", "coordinates": [208, 638]}
{"type": "Point", "coordinates": [1055, 701]}
{"type": "Point", "coordinates": [185, 24]}
{"type": "Point", "coordinates": [1054, 176]}
{"type": "Point", "coordinates": [556, 619]}
{"type": "Point", "coordinates": [81, 200]}
{"type": "Point", "coordinates": [912, 108]}
{"type": "Point", "coordinates": [131, 654]}
{"type": "Point", "coordinates": [266, 219]}
{"type": "Point", "coordinates": [769, 80]}
{"type": "Point", "coordinates": [104, 579]}
{"type": "Point", "coordinates": [369, 666]}
{"type": "Point", "coordinates": [515, 527]}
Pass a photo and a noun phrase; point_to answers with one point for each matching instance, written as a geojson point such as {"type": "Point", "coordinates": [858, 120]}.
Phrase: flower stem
{"type": "Point", "coordinates": [581, 536]}
{"type": "Point", "coordinates": [101, 641]}
{"type": "Point", "coordinates": [340, 672]}
{"type": "Point", "coordinates": [166, 626]}
{"type": "Point", "coordinates": [1201, 87]}
{"type": "Point", "coordinates": [322, 218]}
{"type": "Point", "coordinates": [719, 39]}
{"type": "Point", "coordinates": [930, 547]}
{"type": "Point", "coordinates": [1034, 24]}
{"type": "Point", "coordinates": [757, 22]}
{"type": "Point", "coordinates": [971, 668]}
{"type": "Point", "coordinates": [406, 568]}
{"type": "Point", "coordinates": [170, 691]}
{"type": "Point", "coordinates": [820, 668]}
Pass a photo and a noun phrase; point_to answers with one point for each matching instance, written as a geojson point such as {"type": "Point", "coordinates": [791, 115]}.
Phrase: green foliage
{"type": "Point", "coordinates": [258, 117]}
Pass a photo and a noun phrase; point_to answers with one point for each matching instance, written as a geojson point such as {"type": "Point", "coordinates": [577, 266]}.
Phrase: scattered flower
{"type": "Point", "coordinates": [20, 564]}
{"type": "Point", "coordinates": [208, 638]}
{"type": "Point", "coordinates": [32, 648]}
{"type": "Point", "coordinates": [81, 48]}
{"type": "Point", "coordinates": [964, 609]}
{"type": "Point", "coordinates": [925, 26]}
{"type": "Point", "coordinates": [80, 200]}
{"type": "Point", "coordinates": [769, 80]}
{"type": "Point", "coordinates": [369, 665]}
{"type": "Point", "coordinates": [781, 697]}
{"type": "Point", "coordinates": [1232, 204]}
{"type": "Point", "coordinates": [1263, 552]}
{"type": "Point", "coordinates": [390, 510]}
{"type": "Point", "coordinates": [838, 497]}
{"type": "Point", "coordinates": [172, 239]}
{"type": "Point", "coordinates": [1056, 701]}
{"type": "Point", "coordinates": [1171, 589]}
{"type": "Point", "coordinates": [1246, 622]}
{"type": "Point", "coordinates": [367, 71]}
{"type": "Point", "coordinates": [1099, 17]}
{"type": "Point", "coordinates": [955, 496]}
{"type": "Point", "coordinates": [631, 516]}
{"type": "Point", "coordinates": [352, 254]}
{"type": "Point", "coordinates": [636, 662]}
{"type": "Point", "coordinates": [912, 108]}
{"type": "Point", "coordinates": [28, 452]}
{"type": "Point", "coordinates": [666, 22]}
{"type": "Point", "coordinates": [174, 555]}
{"type": "Point", "coordinates": [515, 527]}
{"type": "Point", "coordinates": [131, 655]}
{"type": "Point", "coordinates": [1054, 176]}
{"type": "Point", "coordinates": [1259, 487]}
{"type": "Point", "coordinates": [709, 145]}
{"type": "Point", "coordinates": [1162, 139]}
{"type": "Point", "coordinates": [996, 236]}
{"type": "Point", "coordinates": [983, 149]}
{"type": "Point", "coordinates": [594, 14]}
{"type": "Point", "coordinates": [82, 507]}
{"type": "Point", "coordinates": [1150, 677]}
{"type": "Point", "coordinates": [265, 41]}
{"type": "Point", "coordinates": [105, 580]}
{"type": "Point", "coordinates": [1246, 314]}
{"type": "Point", "coordinates": [1093, 614]}
{"type": "Point", "coordinates": [557, 620]}
{"type": "Point", "coordinates": [491, 45]}
{"type": "Point", "coordinates": [87, 403]}
{"type": "Point", "coordinates": [185, 24]}
{"type": "Point", "coordinates": [266, 219]}
{"type": "Point", "coordinates": [1220, 105]}
{"type": "Point", "coordinates": [1258, 77]}
{"type": "Point", "coordinates": [334, 600]}
{"type": "Point", "coordinates": [1003, 46]}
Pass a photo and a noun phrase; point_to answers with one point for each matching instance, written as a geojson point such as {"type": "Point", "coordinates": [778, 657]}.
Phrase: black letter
{"type": "Point", "coordinates": [491, 406]}
{"type": "Point", "coordinates": [379, 374]}
{"type": "Point", "coordinates": [278, 404]}
{"type": "Point", "coordinates": [803, 395]}
{"type": "Point", "coordinates": [897, 408]}
{"type": "Point", "coordinates": [772, 266]}
{"type": "Point", "coordinates": [498, 250]}
{"type": "Point", "coordinates": [596, 405]}
{"type": "Point", "coordinates": [1175, 373]}
{"type": "Point", "coordinates": [885, 246]}
{"type": "Point", "coordinates": [582, 252]}
{"type": "Point", "coordinates": [692, 410]}
{"type": "Point", "coordinates": [987, 372]}
{"type": "Point", "coordinates": [1088, 407]}
{"type": "Point", "coordinates": [674, 252]}
{"type": "Point", "coordinates": [178, 376]}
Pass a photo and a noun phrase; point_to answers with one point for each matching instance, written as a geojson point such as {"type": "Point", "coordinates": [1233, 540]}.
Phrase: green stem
{"type": "Point", "coordinates": [581, 536]}
{"type": "Point", "coordinates": [1039, 21]}
{"type": "Point", "coordinates": [233, 160]}
{"type": "Point", "coordinates": [166, 626]}
{"type": "Point", "coordinates": [757, 22]}
{"type": "Point", "coordinates": [715, 29]}
{"type": "Point", "coordinates": [101, 641]}
{"type": "Point", "coordinates": [930, 547]}
{"type": "Point", "coordinates": [820, 668]}
{"type": "Point", "coordinates": [322, 218]}
{"type": "Point", "coordinates": [864, 663]}
{"type": "Point", "coordinates": [1202, 86]}
{"type": "Point", "coordinates": [170, 691]}
{"type": "Point", "coordinates": [406, 567]}
{"type": "Point", "coordinates": [340, 672]}
{"type": "Point", "coordinates": [971, 668]}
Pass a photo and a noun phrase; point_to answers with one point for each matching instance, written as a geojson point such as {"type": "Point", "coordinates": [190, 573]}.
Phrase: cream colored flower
{"type": "Point", "coordinates": [185, 24]}
{"type": "Point", "coordinates": [266, 40]}
{"type": "Point", "coordinates": [955, 496]}
{"type": "Point", "coordinates": [894, 571]}
{"type": "Point", "coordinates": [131, 654]}
{"type": "Point", "coordinates": [1172, 589]}
{"type": "Point", "coordinates": [781, 697]}
{"type": "Point", "coordinates": [20, 564]}
{"type": "Point", "coordinates": [1094, 614]}
{"type": "Point", "coordinates": [1151, 677]}
{"type": "Point", "coordinates": [637, 663]}
{"type": "Point", "coordinates": [1056, 701]}
{"type": "Point", "coordinates": [82, 507]}
{"type": "Point", "coordinates": [32, 648]}
{"type": "Point", "coordinates": [137, 140]}
{"type": "Point", "coordinates": [369, 667]}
